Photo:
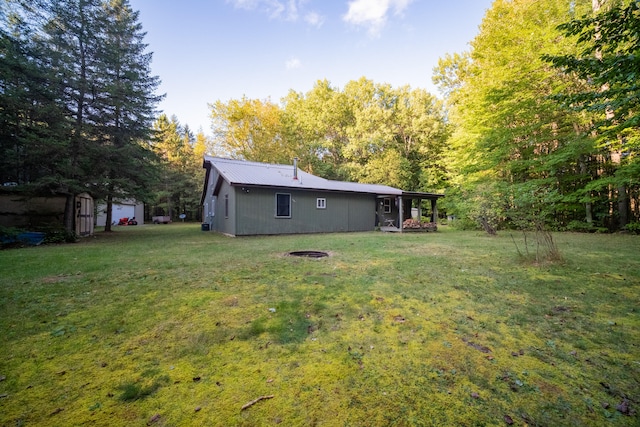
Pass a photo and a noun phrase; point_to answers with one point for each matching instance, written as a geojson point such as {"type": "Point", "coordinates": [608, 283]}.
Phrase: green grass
{"type": "Point", "coordinates": [168, 325]}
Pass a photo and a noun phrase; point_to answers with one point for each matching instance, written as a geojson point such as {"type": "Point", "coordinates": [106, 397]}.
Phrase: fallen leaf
{"type": "Point", "coordinates": [478, 347]}
{"type": "Point", "coordinates": [508, 420]}
{"type": "Point", "coordinates": [57, 411]}
{"type": "Point", "coordinates": [623, 407]}
{"type": "Point", "coordinates": [153, 419]}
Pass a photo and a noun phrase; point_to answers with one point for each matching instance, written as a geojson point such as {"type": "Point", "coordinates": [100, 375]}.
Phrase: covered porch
{"type": "Point", "coordinates": [394, 212]}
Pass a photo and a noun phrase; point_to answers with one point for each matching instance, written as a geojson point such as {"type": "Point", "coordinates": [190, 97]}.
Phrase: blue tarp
{"type": "Point", "coordinates": [32, 238]}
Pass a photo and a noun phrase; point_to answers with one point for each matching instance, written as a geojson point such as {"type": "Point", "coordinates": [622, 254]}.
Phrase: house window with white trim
{"type": "Point", "coordinates": [283, 205]}
{"type": "Point", "coordinates": [321, 203]}
{"type": "Point", "coordinates": [386, 204]}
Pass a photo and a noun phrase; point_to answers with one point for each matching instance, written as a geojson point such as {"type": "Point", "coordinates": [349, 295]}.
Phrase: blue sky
{"type": "Point", "coordinates": [210, 50]}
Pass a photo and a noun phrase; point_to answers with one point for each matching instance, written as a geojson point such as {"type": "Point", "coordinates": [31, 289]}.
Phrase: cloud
{"type": "Point", "coordinates": [314, 19]}
{"type": "Point", "coordinates": [372, 14]}
{"type": "Point", "coordinates": [293, 63]}
{"type": "Point", "coordinates": [286, 10]}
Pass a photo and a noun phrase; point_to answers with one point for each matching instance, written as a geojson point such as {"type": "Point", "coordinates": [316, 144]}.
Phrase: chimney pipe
{"type": "Point", "coordinates": [295, 168]}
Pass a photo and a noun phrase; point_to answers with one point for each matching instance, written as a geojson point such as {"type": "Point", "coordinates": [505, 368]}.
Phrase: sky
{"type": "Point", "coordinates": [217, 50]}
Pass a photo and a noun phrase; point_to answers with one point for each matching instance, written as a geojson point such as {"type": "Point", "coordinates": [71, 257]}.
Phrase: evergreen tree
{"type": "Point", "coordinates": [30, 118]}
{"type": "Point", "coordinates": [181, 153]}
{"type": "Point", "coordinates": [77, 99]}
{"type": "Point", "coordinates": [127, 106]}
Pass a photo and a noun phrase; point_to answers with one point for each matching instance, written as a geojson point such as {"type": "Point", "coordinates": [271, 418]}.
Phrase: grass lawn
{"type": "Point", "coordinates": [166, 325]}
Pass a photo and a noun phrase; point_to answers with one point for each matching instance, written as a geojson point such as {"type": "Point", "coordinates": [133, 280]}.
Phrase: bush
{"type": "Point", "coordinates": [9, 237]}
{"type": "Point", "coordinates": [9, 233]}
{"type": "Point", "coordinates": [60, 235]}
{"type": "Point", "coordinates": [580, 226]}
{"type": "Point", "coordinates": [584, 227]}
{"type": "Point", "coordinates": [56, 234]}
{"type": "Point", "coordinates": [633, 227]}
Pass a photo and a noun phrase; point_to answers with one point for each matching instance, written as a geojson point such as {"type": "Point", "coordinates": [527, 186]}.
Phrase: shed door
{"type": "Point", "coordinates": [85, 215]}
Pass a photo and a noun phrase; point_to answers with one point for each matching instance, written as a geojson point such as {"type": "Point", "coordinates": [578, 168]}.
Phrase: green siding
{"type": "Point", "coordinates": [225, 223]}
{"type": "Point", "coordinates": [344, 212]}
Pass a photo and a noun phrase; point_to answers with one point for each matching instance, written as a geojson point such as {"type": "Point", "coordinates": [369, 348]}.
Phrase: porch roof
{"type": "Point", "coordinates": [421, 195]}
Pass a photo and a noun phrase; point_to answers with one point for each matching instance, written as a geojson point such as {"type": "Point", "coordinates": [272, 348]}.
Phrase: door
{"type": "Point", "coordinates": [84, 216]}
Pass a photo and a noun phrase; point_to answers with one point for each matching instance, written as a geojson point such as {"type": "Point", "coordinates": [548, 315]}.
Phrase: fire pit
{"type": "Point", "coordinates": [309, 254]}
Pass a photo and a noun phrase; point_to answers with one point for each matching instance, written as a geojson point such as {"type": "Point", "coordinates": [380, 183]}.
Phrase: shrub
{"type": "Point", "coordinates": [9, 233]}
{"type": "Point", "coordinates": [633, 227]}
{"type": "Point", "coordinates": [59, 235]}
{"type": "Point", "coordinates": [580, 226]}
{"type": "Point", "coordinates": [9, 237]}
{"type": "Point", "coordinates": [584, 227]}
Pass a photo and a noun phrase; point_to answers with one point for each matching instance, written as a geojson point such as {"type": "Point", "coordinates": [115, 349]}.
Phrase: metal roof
{"type": "Point", "coordinates": [242, 172]}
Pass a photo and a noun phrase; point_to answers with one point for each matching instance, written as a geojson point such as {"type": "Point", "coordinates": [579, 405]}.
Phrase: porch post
{"type": "Point", "coordinates": [400, 213]}
{"type": "Point", "coordinates": [419, 210]}
{"type": "Point", "coordinates": [434, 210]}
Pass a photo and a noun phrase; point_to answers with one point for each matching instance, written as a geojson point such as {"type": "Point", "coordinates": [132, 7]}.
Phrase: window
{"type": "Point", "coordinates": [321, 203]}
{"type": "Point", "coordinates": [226, 206]}
{"type": "Point", "coordinates": [283, 205]}
{"type": "Point", "coordinates": [386, 203]}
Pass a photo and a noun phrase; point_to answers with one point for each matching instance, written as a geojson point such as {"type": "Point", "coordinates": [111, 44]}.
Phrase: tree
{"type": "Point", "coordinates": [507, 128]}
{"type": "Point", "coordinates": [31, 152]}
{"type": "Point", "coordinates": [608, 64]}
{"type": "Point", "coordinates": [77, 99]}
{"type": "Point", "coordinates": [72, 33]}
{"type": "Point", "coordinates": [316, 125]}
{"type": "Point", "coordinates": [251, 129]}
{"type": "Point", "coordinates": [181, 178]}
{"type": "Point", "coordinates": [396, 132]}
{"type": "Point", "coordinates": [367, 132]}
{"type": "Point", "coordinates": [127, 106]}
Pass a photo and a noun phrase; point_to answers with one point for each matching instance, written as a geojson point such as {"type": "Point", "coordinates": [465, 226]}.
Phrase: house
{"type": "Point", "coordinates": [121, 209]}
{"type": "Point", "coordinates": [34, 213]}
{"type": "Point", "coordinates": [242, 198]}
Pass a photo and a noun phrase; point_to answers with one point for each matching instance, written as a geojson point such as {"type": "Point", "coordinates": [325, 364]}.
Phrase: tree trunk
{"type": "Point", "coordinates": [623, 207]}
{"type": "Point", "coordinates": [588, 207]}
{"type": "Point", "coordinates": [70, 213]}
{"type": "Point", "coordinates": [623, 200]}
{"type": "Point", "coordinates": [107, 225]}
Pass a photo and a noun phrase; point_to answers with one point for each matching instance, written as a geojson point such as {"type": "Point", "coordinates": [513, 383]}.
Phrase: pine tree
{"type": "Point", "coordinates": [127, 106]}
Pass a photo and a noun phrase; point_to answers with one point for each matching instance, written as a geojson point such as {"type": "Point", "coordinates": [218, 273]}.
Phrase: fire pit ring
{"type": "Point", "coordinates": [309, 254]}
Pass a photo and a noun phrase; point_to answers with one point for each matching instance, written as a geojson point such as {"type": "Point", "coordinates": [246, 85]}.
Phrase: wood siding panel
{"type": "Point", "coordinates": [343, 212]}
{"type": "Point", "coordinates": [225, 223]}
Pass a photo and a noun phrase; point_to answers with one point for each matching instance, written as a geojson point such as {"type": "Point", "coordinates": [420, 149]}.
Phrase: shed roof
{"type": "Point", "coordinates": [242, 172]}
